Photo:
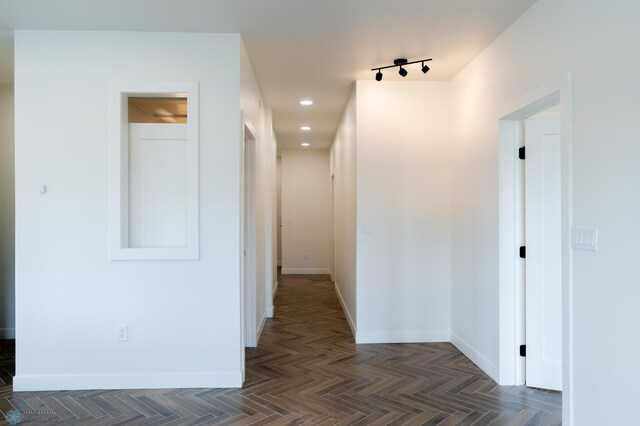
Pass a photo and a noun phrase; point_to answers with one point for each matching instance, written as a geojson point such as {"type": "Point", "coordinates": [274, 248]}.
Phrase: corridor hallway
{"type": "Point", "coordinates": [307, 370]}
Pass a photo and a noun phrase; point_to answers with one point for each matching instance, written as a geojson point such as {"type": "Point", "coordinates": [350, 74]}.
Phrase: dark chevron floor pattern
{"type": "Point", "coordinates": [307, 370]}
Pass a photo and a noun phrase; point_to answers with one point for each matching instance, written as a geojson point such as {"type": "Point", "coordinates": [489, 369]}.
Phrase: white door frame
{"type": "Point", "coordinates": [510, 207]}
{"type": "Point", "coordinates": [248, 239]}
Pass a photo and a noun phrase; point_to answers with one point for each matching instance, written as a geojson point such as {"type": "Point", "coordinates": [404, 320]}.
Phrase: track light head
{"type": "Point", "coordinates": [425, 68]}
{"type": "Point", "coordinates": [403, 72]}
{"type": "Point", "coordinates": [379, 76]}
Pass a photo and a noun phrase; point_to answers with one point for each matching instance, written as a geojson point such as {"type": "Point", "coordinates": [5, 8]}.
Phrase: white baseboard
{"type": "Point", "coordinates": [270, 309]}
{"type": "Point", "coordinates": [305, 271]}
{"type": "Point", "coordinates": [403, 336]}
{"type": "Point", "coordinates": [261, 326]}
{"type": "Point", "coordinates": [7, 333]}
{"type": "Point", "coordinates": [476, 357]}
{"type": "Point", "coordinates": [346, 311]}
{"type": "Point", "coordinates": [24, 383]}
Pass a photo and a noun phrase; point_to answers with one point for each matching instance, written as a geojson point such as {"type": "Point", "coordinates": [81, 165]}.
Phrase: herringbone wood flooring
{"type": "Point", "coordinates": [307, 370]}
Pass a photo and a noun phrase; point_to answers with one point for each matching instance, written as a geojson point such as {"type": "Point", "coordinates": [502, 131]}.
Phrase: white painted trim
{"type": "Point", "coordinates": [271, 309]}
{"type": "Point", "coordinates": [8, 333]}
{"type": "Point", "coordinates": [306, 271]}
{"type": "Point", "coordinates": [403, 336]}
{"type": "Point", "coordinates": [520, 108]}
{"type": "Point", "coordinates": [248, 253]}
{"type": "Point", "coordinates": [241, 244]}
{"type": "Point", "coordinates": [227, 379]}
{"type": "Point", "coordinates": [118, 165]}
{"type": "Point", "coordinates": [511, 267]}
{"type": "Point", "coordinates": [510, 220]}
{"type": "Point", "coordinates": [263, 321]}
{"type": "Point", "coordinates": [476, 357]}
{"type": "Point", "coordinates": [566, 103]}
{"type": "Point", "coordinates": [347, 314]}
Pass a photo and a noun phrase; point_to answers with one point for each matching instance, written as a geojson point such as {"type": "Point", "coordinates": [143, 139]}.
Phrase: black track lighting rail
{"type": "Point", "coordinates": [397, 63]}
{"type": "Point", "coordinates": [401, 62]}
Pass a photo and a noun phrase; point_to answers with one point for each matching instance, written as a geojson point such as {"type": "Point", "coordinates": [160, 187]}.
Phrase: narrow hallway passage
{"type": "Point", "coordinates": [307, 370]}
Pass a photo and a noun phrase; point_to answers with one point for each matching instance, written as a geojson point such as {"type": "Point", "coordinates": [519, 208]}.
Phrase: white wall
{"type": "Point", "coordinates": [70, 296]}
{"type": "Point", "coordinates": [343, 170]}
{"type": "Point", "coordinates": [7, 215]}
{"type": "Point", "coordinates": [596, 41]}
{"type": "Point", "coordinates": [403, 194]}
{"type": "Point", "coordinates": [258, 117]}
{"type": "Point", "coordinates": [305, 212]}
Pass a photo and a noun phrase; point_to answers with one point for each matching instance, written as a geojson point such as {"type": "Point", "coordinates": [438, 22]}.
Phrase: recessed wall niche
{"type": "Point", "coordinates": [153, 171]}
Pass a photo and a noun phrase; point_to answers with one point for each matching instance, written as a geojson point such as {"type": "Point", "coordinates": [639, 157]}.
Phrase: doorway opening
{"type": "Point", "coordinates": [249, 237]}
{"type": "Point", "coordinates": [535, 200]}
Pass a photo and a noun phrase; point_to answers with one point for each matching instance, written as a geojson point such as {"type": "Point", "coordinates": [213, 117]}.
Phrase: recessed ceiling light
{"type": "Point", "coordinates": [305, 128]}
{"type": "Point", "coordinates": [304, 144]}
{"type": "Point", "coordinates": [306, 102]}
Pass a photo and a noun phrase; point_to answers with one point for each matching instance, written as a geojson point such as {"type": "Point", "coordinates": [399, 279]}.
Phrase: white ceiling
{"type": "Point", "coordinates": [298, 48]}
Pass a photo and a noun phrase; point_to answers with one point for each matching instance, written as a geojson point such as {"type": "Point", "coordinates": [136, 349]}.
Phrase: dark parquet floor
{"type": "Point", "coordinates": [307, 370]}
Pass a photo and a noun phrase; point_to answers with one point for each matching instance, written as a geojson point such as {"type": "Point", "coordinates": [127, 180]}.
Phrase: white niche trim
{"type": "Point", "coordinates": [122, 244]}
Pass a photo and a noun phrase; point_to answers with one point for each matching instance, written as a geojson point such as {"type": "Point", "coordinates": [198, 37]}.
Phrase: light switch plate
{"type": "Point", "coordinates": [366, 227]}
{"type": "Point", "coordinates": [584, 239]}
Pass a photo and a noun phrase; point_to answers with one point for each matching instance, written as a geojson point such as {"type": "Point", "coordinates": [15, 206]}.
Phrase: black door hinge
{"type": "Point", "coordinates": [523, 252]}
{"type": "Point", "coordinates": [523, 350]}
{"type": "Point", "coordinates": [521, 153]}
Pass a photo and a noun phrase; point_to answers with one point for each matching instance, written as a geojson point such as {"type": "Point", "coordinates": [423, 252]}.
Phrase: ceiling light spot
{"type": "Point", "coordinates": [305, 144]}
{"type": "Point", "coordinates": [306, 102]}
{"type": "Point", "coordinates": [305, 128]}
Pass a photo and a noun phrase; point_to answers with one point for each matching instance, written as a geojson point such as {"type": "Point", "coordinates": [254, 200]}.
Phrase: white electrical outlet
{"type": "Point", "coordinates": [122, 333]}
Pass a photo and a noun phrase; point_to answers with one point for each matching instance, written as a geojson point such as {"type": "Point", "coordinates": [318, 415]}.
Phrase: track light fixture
{"type": "Point", "coordinates": [401, 62]}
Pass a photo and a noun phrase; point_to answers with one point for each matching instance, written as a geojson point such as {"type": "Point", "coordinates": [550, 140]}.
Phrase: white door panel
{"type": "Point", "coordinates": [543, 254]}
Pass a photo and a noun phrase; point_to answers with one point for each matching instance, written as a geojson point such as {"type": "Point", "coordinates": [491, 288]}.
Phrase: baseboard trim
{"type": "Point", "coordinates": [24, 383]}
{"type": "Point", "coordinates": [7, 333]}
{"type": "Point", "coordinates": [404, 336]}
{"type": "Point", "coordinates": [275, 290]}
{"type": "Point", "coordinates": [270, 312]}
{"type": "Point", "coordinates": [476, 357]}
{"type": "Point", "coordinates": [261, 326]}
{"type": "Point", "coordinates": [305, 271]}
{"type": "Point", "coordinates": [346, 311]}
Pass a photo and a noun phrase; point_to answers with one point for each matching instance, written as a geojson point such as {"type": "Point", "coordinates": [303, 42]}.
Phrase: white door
{"type": "Point", "coordinates": [543, 253]}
